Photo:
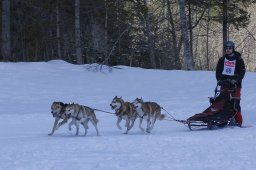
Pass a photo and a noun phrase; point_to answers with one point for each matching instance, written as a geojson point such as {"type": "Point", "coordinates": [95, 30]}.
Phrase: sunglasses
{"type": "Point", "coordinates": [228, 48]}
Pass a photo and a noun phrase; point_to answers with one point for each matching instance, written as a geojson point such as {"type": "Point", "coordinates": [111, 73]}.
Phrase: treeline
{"type": "Point", "coordinates": [163, 34]}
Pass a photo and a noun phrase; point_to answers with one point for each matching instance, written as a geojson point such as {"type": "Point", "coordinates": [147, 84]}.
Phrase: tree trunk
{"type": "Point", "coordinates": [58, 29]}
{"type": "Point", "coordinates": [78, 33]}
{"type": "Point", "coordinates": [150, 42]}
{"type": "Point", "coordinates": [174, 36]}
{"type": "Point", "coordinates": [106, 33]}
{"type": "Point", "coordinates": [6, 33]}
{"type": "Point", "coordinates": [207, 35]}
{"type": "Point", "coordinates": [225, 22]}
{"type": "Point", "coordinates": [184, 32]}
{"type": "Point", "coordinates": [190, 30]}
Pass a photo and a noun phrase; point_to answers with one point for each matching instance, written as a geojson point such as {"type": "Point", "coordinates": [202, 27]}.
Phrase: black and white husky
{"type": "Point", "coordinates": [58, 112]}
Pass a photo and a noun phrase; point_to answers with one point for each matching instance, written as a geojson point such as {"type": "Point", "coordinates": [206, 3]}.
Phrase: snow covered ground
{"type": "Point", "coordinates": [28, 89]}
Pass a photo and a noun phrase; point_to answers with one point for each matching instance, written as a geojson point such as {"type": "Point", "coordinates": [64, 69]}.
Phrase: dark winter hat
{"type": "Point", "coordinates": [230, 44]}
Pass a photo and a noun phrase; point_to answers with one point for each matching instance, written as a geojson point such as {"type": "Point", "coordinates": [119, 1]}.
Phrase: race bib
{"type": "Point", "coordinates": [229, 67]}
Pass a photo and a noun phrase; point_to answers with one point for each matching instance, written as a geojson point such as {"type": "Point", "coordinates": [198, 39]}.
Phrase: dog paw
{"type": "Point", "coordinates": [148, 130]}
{"type": "Point", "coordinates": [143, 130]}
{"type": "Point", "coordinates": [50, 134]}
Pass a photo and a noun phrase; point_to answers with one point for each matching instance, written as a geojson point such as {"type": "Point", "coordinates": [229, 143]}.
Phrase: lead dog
{"type": "Point", "coordinates": [149, 111]}
{"type": "Point", "coordinates": [81, 114]}
{"type": "Point", "coordinates": [58, 112]}
{"type": "Point", "coordinates": [124, 110]}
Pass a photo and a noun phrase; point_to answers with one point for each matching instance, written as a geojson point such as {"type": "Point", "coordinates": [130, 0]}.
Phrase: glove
{"type": "Point", "coordinates": [220, 83]}
{"type": "Point", "coordinates": [233, 81]}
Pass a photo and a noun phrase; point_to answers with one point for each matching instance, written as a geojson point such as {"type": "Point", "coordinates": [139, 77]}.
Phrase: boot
{"type": "Point", "coordinates": [239, 119]}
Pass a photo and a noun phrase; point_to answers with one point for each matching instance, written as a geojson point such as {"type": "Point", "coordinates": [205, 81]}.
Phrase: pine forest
{"type": "Point", "coordinates": [155, 34]}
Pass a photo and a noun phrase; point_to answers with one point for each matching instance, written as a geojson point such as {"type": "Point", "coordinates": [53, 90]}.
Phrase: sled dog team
{"type": "Point", "coordinates": [128, 111]}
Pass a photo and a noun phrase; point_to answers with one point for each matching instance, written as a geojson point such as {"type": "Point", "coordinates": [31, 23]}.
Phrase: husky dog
{"type": "Point", "coordinates": [58, 112]}
{"type": "Point", "coordinates": [124, 110]}
{"type": "Point", "coordinates": [81, 114]}
{"type": "Point", "coordinates": [149, 111]}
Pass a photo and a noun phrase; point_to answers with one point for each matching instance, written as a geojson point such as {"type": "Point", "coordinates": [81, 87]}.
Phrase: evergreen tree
{"type": "Point", "coordinates": [6, 32]}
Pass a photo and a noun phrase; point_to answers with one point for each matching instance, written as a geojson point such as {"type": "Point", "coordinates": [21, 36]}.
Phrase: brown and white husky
{"type": "Point", "coordinates": [149, 111]}
{"type": "Point", "coordinates": [124, 110]}
{"type": "Point", "coordinates": [58, 112]}
{"type": "Point", "coordinates": [81, 114]}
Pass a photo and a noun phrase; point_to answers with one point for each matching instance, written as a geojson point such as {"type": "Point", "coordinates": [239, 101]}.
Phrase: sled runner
{"type": "Point", "coordinates": [221, 111]}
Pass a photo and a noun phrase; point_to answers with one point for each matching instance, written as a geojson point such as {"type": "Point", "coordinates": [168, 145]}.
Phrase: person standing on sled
{"type": "Point", "coordinates": [231, 66]}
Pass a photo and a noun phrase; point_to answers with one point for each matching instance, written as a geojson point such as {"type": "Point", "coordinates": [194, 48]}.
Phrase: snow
{"type": "Point", "coordinates": [28, 89]}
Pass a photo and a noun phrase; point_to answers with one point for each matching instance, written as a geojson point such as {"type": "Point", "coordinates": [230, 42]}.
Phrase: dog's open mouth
{"type": "Point", "coordinates": [113, 106]}
{"type": "Point", "coordinates": [135, 105]}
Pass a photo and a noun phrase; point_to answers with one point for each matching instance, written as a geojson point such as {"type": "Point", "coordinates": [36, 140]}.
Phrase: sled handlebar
{"type": "Point", "coordinates": [227, 85]}
{"type": "Point", "coordinates": [227, 82]}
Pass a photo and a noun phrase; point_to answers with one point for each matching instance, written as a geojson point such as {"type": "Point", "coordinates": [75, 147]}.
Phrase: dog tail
{"type": "Point", "coordinates": [161, 116]}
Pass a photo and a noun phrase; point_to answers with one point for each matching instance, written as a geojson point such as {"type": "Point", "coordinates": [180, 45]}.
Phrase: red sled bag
{"type": "Point", "coordinates": [222, 108]}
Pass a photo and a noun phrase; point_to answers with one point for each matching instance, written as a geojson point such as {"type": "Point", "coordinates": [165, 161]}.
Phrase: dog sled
{"type": "Point", "coordinates": [221, 111]}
